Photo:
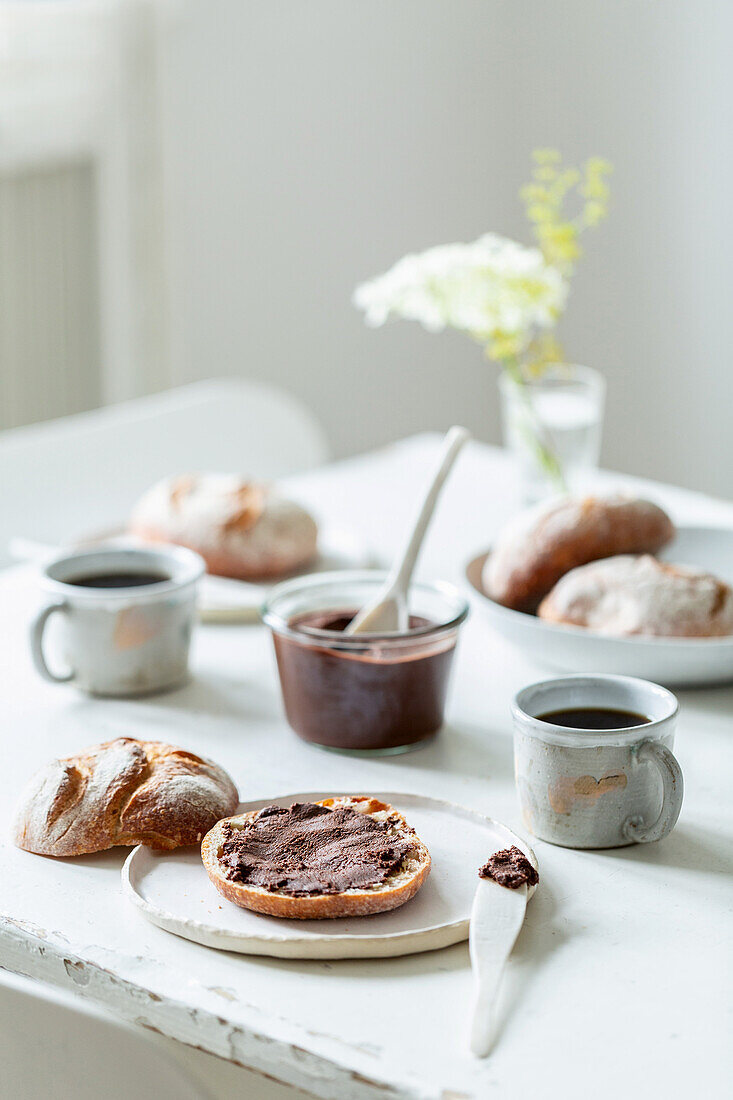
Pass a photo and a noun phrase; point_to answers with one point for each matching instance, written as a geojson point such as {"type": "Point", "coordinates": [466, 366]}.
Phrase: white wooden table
{"type": "Point", "coordinates": [620, 979]}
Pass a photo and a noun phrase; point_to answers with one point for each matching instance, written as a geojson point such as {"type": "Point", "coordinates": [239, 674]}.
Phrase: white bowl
{"type": "Point", "coordinates": [669, 661]}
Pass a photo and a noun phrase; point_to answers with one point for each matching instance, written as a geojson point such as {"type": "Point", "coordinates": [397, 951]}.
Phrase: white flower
{"type": "Point", "coordinates": [492, 286]}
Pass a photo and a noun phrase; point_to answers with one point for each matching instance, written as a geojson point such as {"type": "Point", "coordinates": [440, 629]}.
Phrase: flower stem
{"type": "Point", "coordinates": [533, 431]}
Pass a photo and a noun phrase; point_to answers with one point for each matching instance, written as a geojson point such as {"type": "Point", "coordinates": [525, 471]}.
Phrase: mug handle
{"type": "Point", "coordinates": [37, 628]}
{"type": "Point", "coordinates": [635, 830]}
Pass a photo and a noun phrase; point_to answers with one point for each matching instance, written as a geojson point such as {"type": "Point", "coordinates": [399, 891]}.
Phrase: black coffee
{"type": "Point", "coordinates": [118, 580]}
{"type": "Point", "coordinates": [594, 718]}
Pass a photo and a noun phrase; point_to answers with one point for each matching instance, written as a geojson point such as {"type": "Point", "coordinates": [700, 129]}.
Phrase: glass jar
{"type": "Point", "coordinates": [368, 693]}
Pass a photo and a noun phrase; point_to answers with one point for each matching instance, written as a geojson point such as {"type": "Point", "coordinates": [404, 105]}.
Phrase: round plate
{"type": "Point", "coordinates": [678, 662]}
{"type": "Point", "coordinates": [173, 891]}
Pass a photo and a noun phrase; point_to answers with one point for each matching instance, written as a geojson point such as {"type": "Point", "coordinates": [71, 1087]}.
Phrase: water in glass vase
{"type": "Point", "coordinates": [553, 425]}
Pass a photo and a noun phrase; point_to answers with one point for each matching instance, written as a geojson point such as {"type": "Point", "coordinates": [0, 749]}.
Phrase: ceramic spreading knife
{"type": "Point", "coordinates": [496, 918]}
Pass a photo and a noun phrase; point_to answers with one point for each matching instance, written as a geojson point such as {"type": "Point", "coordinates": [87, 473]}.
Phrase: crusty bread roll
{"type": "Point", "coordinates": [640, 595]}
{"type": "Point", "coordinates": [240, 528]}
{"type": "Point", "coordinates": [402, 846]}
{"type": "Point", "coordinates": [122, 792]}
{"type": "Point", "coordinates": [542, 544]}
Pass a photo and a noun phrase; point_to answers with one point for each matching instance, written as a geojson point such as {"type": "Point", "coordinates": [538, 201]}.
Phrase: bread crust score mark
{"type": "Point", "coordinates": [399, 888]}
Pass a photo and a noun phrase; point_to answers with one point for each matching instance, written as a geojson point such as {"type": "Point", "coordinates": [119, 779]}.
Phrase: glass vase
{"type": "Point", "coordinates": [552, 425]}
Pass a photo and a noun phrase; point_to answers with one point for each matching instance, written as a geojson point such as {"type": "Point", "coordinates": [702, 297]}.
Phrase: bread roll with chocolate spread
{"type": "Point", "coordinates": [629, 595]}
{"type": "Point", "coordinates": [122, 792]}
{"type": "Point", "coordinates": [317, 860]}
{"type": "Point", "coordinates": [543, 544]}
{"type": "Point", "coordinates": [241, 528]}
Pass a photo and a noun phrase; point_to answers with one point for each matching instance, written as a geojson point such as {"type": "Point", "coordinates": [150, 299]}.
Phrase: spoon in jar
{"type": "Point", "coordinates": [387, 613]}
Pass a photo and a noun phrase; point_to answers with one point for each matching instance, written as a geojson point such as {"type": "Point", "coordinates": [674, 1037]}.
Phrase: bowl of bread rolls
{"type": "Point", "coordinates": [609, 583]}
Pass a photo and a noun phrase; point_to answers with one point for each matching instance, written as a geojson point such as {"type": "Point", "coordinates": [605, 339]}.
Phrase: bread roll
{"type": "Point", "coordinates": [541, 545]}
{"type": "Point", "coordinates": [240, 528]}
{"type": "Point", "coordinates": [122, 792]}
{"type": "Point", "coordinates": [409, 861]}
{"type": "Point", "coordinates": [640, 595]}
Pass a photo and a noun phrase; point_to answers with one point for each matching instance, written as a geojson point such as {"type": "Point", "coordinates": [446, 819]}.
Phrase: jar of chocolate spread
{"type": "Point", "coordinates": [368, 693]}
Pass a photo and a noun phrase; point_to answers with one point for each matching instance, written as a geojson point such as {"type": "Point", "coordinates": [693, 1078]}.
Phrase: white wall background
{"type": "Point", "coordinates": [309, 145]}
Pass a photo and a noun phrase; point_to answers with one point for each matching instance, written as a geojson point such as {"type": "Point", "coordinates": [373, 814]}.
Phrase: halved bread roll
{"type": "Point", "coordinates": [306, 883]}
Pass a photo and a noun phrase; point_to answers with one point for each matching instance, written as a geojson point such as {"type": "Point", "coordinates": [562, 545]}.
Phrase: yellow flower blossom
{"type": "Point", "coordinates": [546, 156]}
{"type": "Point", "coordinates": [544, 198]}
{"type": "Point", "coordinates": [504, 345]}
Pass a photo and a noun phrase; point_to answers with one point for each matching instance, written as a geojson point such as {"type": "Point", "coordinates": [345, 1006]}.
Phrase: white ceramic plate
{"type": "Point", "coordinates": [173, 891]}
{"type": "Point", "coordinates": [677, 662]}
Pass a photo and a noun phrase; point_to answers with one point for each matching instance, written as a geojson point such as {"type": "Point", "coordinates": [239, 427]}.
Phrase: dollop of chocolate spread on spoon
{"type": "Point", "coordinates": [509, 868]}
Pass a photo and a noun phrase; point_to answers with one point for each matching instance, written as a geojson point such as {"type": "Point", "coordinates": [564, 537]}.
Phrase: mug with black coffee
{"type": "Point", "coordinates": [593, 760]}
{"type": "Point", "coordinates": [125, 618]}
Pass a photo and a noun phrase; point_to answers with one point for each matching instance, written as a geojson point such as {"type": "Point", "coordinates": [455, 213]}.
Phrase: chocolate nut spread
{"type": "Point", "coordinates": [309, 849]}
{"type": "Point", "coordinates": [510, 868]}
{"type": "Point", "coordinates": [369, 697]}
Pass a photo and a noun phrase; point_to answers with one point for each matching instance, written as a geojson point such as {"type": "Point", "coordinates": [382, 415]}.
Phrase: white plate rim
{"type": "Point", "coordinates": [476, 563]}
{"type": "Point", "coordinates": [324, 945]}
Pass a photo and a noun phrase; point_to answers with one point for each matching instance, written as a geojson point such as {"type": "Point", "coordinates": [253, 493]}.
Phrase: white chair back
{"type": "Point", "coordinates": [79, 475]}
{"type": "Point", "coordinates": [51, 1047]}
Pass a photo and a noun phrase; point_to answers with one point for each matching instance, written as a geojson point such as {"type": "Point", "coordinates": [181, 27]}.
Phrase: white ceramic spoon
{"type": "Point", "coordinates": [496, 918]}
{"type": "Point", "coordinates": [388, 612]}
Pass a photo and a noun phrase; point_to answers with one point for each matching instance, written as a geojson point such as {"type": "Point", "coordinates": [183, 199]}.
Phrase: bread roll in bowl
{"type": "Point", "coordinates": [536, 549]}
{"type": "Point", "coordinates": [629, 595]}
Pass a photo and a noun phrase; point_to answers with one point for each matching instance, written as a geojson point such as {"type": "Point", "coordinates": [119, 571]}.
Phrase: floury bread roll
{"type": "Point", "coordinates": [122, 792]}
{"type": "Point", "coordinates": [241, 528]}
{"type": "Point", "coordinates": [639, 595]}
{"type": "Point", "coordinates": [543, 544]}
{"type": "Point", "coordinates": [341, 857]}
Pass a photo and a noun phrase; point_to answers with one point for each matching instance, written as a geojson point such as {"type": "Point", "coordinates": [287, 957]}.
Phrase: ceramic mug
{"type": "Point", "coordinates": [585, 788]}
{"type": "Point", "coordinates": [129, 640]}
